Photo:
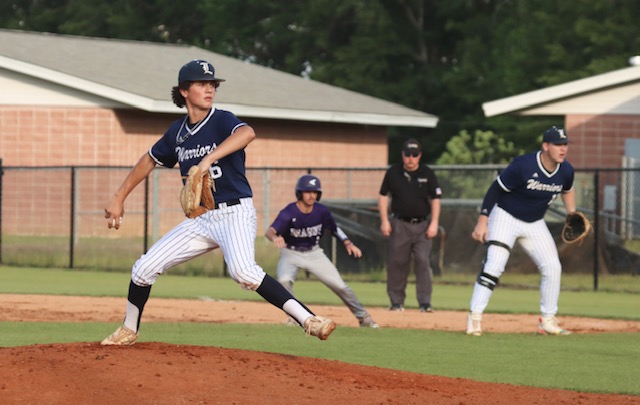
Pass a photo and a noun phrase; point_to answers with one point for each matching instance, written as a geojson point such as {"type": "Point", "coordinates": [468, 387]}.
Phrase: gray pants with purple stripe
{"type": "Point", "coordinates": [317, 263]}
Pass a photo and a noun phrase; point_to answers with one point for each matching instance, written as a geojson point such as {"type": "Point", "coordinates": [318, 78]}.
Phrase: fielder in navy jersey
{"type": "Point", "coordinates": [513, 209]}
{"type": "Point", "coordinates": [297, 231]}
{"type": "Point", "coordinates": [214, 140]}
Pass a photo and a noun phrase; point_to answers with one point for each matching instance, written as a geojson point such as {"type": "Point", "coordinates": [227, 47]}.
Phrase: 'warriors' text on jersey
{"type": "Point", "coordinates": [530, 188]}
{"type": "Point", "coordinates": [187, 144]}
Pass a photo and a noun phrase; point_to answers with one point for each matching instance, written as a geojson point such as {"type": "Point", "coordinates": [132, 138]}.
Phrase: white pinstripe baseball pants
{"type": "Point", "coordinates": [233, 229]}
{"type": "Point", "coordinates": [536, 240]}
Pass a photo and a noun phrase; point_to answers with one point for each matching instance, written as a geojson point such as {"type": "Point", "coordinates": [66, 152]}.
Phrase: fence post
{"type": "Point", "coordinates": [1, 176]}
{"type": "Point", "coordinates": [146, 215]}
{"type": "Point", "coordinates": [266, 198]}
{"type": "Point", "coordinates": [72, 217]}
{"type": "Point", "coordinates": [596, 221]}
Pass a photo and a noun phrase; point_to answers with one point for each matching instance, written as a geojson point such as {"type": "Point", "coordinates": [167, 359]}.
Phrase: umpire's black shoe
{"type": "Point", "coordinates": [426, 308]}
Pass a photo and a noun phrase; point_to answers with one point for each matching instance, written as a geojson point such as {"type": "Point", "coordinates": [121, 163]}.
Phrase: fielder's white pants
{"type": "Point", "coordinates": [536, 240]}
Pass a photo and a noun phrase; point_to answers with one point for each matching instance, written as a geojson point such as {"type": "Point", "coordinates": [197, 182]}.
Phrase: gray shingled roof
{"type": "Point", "coordinates": [141, 74]}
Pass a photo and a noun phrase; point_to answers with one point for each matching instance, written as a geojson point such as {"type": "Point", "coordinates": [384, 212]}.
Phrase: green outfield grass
{"type": "Point", "coordinates": [445, 296]}
{"type": "Point", "coordinates": [603, 363]}
{"type": "Point", "coordinates": [89, 255]}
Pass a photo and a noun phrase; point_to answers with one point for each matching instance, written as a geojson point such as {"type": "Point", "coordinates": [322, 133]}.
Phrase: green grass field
{"type": "Point", "coordinates": [603, 363]}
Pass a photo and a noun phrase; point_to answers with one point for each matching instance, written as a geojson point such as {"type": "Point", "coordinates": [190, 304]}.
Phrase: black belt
{"type": "Point", "coordinates": [229, 203]}
{"type": "Point", "coordinates": [411, 220]}
{"type": "Point", "coordinates": [301, 248]}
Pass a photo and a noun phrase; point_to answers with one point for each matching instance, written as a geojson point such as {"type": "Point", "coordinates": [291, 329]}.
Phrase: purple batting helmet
{"type": "Point", "coordinates": [308, 182]}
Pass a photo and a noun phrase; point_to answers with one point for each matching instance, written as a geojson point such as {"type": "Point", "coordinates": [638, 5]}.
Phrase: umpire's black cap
{"type": "Point", "coordinates": [411, 147]}
{"type": "Point", "coordinates": [198, 70]}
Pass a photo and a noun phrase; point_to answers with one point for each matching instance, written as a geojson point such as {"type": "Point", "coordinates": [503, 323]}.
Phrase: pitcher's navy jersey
{"type": "Point", "coordinates": [530, 188]}
{"type": "Point", "coordinates": [187, 146]}
{"type": "Point", "coordinates": [301, 230]}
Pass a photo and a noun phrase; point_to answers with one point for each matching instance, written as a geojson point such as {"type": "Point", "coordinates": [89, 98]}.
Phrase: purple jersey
{"type": "Point", "coordinates": [303, 231]}
{"type": "Point", "coordinates": [187, 145]}
{"type": "Point", "coordinates": [530, 188]}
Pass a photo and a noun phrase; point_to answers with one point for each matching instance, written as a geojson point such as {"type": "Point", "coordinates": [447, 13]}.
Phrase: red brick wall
{"type": "Point", "coordinates": [72, 137]}
{"type": "Point", "coordinates": [308, 144]}
{"type": "Point", "coordinates": [598, 141]}
{"type": "Point", "coordinates": [38, 202]}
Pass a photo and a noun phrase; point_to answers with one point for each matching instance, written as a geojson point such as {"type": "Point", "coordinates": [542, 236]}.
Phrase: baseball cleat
{"type": "Point", "coordinates": [548, 325]}
{"type": "Point", "coordinates": [123, 336]}
{"type": "Point", "coordinates": [319, 327]}
{"type": "Point", "coordinates": [426, 308]}
{"type": "Point", "coordinates": [368, 322]}
{"type": "Point", "coordinates": [396, 308]}
{"type": "Point", "coordinates": [474, 326]}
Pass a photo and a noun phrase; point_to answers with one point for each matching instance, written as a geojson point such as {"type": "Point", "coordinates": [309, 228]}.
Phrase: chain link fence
{"type": "Point", "coordinates": [54, 217]}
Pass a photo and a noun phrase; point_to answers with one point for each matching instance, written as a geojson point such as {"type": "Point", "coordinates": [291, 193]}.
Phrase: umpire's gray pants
{"type": "Point", "coordinates": [409, 240]}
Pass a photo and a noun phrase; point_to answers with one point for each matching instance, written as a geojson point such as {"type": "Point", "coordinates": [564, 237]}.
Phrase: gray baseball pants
{"type": "Point", "coordinates": [317, 263]}
{"type": "Point", "coordinates": [409, 240]}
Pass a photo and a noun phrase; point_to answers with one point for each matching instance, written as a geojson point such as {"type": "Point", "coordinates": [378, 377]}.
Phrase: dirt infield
{"type": "Point", "coordinates": [158, 373]}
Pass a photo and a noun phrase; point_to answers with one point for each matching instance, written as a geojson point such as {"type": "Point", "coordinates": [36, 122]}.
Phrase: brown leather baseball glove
{"type": "Point", "coordinates": [576, 228]}
{"type": "Point", "coordinates": [196, 196]}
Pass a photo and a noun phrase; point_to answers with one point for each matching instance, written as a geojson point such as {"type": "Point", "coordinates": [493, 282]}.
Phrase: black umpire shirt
{"type": "Point", "coordinates": [410, 192]}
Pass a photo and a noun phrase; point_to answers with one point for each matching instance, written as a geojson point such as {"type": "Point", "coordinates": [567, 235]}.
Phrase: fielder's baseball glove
{"type": "Point", "coordinates": [196, 197]}
{"type": "Point", "coordinates": [576, 227]}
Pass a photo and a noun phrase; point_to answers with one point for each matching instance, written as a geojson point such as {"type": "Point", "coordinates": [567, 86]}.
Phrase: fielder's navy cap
{"type": "Point", "coordinates": [555, 135]}
{"type": "Point", "coordinates": [197, 70]}
{"type": "Point", "coordinates": [411, 146]}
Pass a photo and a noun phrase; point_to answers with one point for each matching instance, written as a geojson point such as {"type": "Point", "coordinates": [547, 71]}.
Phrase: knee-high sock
{"type": "Point", "coordinates": [136, 301]}
{"type": "Point", "coordinates": [277, 295]}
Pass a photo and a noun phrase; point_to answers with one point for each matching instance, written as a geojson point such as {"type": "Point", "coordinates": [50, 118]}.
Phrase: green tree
{"type": "Point", "coordinates": [481, 148]}
{"type": "Point", "coordinates": [484, 147]}
{"type": "Point", "coordinates": [443, 57]}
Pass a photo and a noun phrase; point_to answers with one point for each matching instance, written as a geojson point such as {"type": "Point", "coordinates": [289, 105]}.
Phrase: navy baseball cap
{"type": "Point", "coordinates": [197, 70]}
{"type": "Point", "coordinates": [555, 135]}
{"type": "Point", "coordinates": [411, 146]}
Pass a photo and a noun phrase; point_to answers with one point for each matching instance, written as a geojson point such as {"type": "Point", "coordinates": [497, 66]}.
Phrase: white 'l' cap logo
{"type": "Point", "coordinates": [205, 68]}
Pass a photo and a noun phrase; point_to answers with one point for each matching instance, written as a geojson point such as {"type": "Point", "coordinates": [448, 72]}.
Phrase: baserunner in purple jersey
{"type": "Point", "coordinates": [513, 209]}
{"type": "Point", "coordinates": [297, 231]}
{"type": "Point", "coordinates": [214, 140]}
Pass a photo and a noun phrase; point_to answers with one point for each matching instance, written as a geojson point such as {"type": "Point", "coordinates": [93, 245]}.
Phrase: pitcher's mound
{"type": "Point", "coordinates": [158, 373]}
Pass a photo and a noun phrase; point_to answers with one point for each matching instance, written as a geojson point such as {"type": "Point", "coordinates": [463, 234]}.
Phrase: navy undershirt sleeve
{"type": "Point", "coordinates": [491, 198]}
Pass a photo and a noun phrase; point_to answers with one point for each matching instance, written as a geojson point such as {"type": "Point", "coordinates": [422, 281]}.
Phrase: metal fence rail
{"type": "Point", "coordinates": [54, 216]}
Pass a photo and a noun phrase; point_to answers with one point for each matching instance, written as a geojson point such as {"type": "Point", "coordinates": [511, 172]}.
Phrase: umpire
{"type": "Point", "coordinates": [415, 212]}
